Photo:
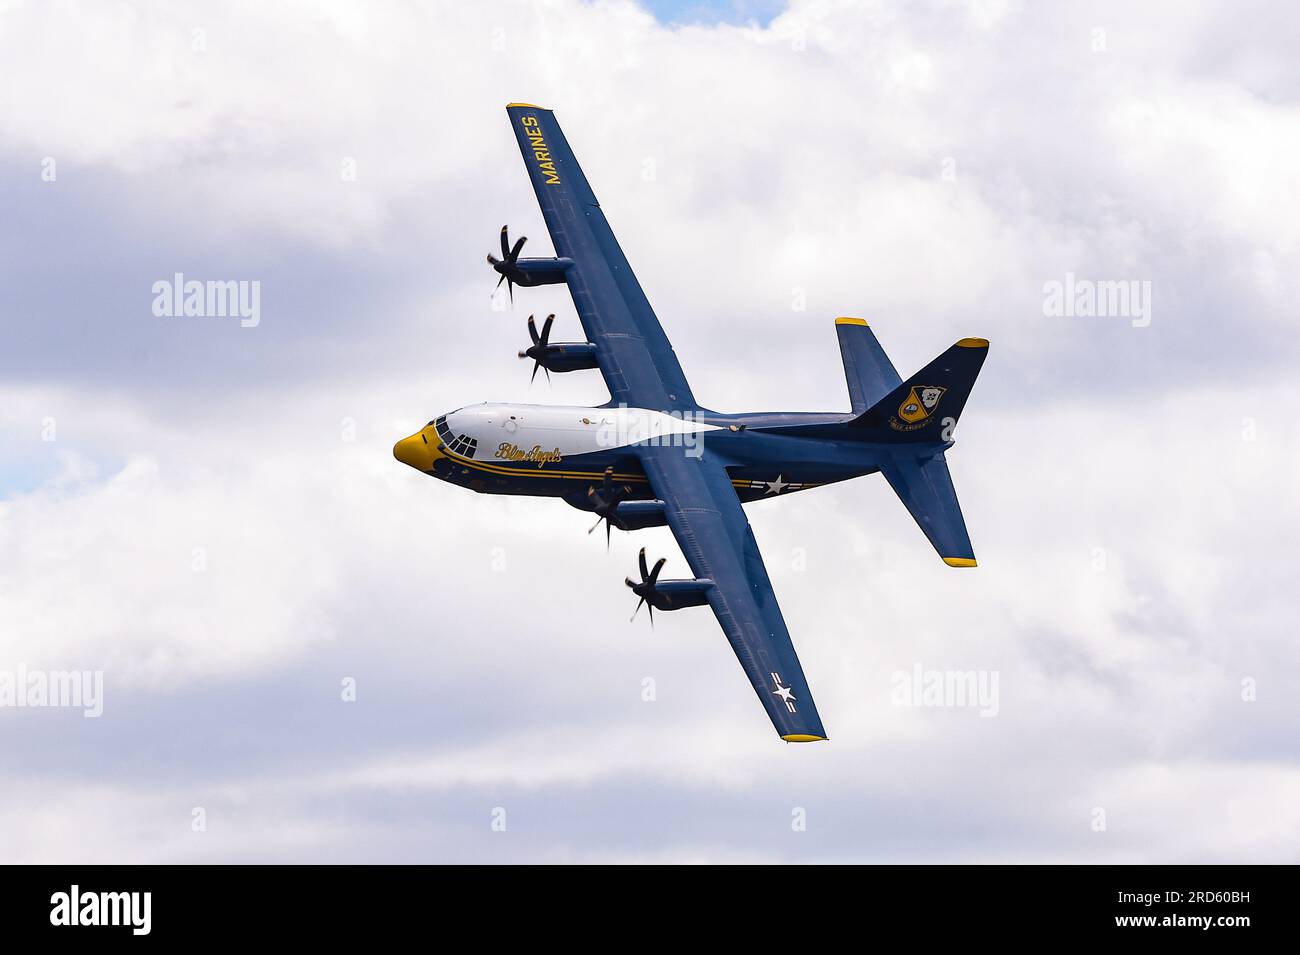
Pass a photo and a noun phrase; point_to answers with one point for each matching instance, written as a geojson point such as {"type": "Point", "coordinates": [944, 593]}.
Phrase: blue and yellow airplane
{"type": "Point", "coordinates": [651, 456]}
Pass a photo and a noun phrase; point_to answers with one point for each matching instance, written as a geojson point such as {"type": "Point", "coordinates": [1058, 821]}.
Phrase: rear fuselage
{"type": "Point", "coordinates": [558, 451]}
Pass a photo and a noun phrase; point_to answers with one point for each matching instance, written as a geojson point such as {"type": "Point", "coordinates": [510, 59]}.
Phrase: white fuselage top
{"type": "Point", "coordinates": [569, 430]}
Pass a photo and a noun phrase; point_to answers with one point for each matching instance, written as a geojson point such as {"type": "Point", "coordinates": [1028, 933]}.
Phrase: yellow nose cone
{"type": "Point", "coordinates": [419, 451]}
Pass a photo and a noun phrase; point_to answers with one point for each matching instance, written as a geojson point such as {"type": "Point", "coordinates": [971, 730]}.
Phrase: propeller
{"type": "Point", "coordinates": [506, 265]}
{"type": "Point", "coordinates": [539, 346]}
{"type": "Point", "coordinates": [646, 589]}
{"type": "Point", "coordinates": [605, 501]}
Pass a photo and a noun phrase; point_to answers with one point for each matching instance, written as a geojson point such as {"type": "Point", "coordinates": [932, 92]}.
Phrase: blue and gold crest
{"type": "Point", "coordinates": [917, 407]}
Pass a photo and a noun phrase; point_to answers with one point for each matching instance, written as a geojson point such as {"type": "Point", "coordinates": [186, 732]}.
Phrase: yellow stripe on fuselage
{"type": "Point", "coordinates": [739, 483]}
{"type": "Point", "coordinates": [533, 472]}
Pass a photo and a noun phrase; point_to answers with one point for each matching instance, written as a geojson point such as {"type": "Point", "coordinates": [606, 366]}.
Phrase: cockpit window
{"type": "Point", "coordinates": [456, 443]}
{"type": "Point", "coordinates": [443, 431]}
{"type": "Point", "coordinates": [464, 445]}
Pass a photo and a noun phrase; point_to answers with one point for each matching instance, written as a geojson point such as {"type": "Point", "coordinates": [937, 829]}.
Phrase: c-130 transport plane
{"type": "Point", "coordinates": [651, 456]}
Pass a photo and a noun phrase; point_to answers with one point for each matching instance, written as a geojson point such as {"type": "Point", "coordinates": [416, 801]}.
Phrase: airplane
{"type": "Point", "coordinates": [652, 456]}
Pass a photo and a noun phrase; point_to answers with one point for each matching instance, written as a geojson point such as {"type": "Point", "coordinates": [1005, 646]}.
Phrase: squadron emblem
{"type": "Point", "coordinates": [917, 408]}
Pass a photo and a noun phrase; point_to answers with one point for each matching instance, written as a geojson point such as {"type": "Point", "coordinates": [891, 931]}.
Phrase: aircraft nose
{"type": "Point", "coordinates": [417, 451]}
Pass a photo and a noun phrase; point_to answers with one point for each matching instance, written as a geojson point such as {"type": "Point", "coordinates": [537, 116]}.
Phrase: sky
{"type": "Point", "coordinates": [210, 516]}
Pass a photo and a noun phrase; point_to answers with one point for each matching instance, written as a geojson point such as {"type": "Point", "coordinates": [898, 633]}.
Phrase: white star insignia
{"type": "Point", "coordinates": [784, 692]}
{"type": "Point", "coordinates": [777, 486]}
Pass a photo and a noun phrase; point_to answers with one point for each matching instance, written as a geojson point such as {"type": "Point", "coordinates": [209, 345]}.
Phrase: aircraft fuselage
{"type": "Point", "coordinates": [563, 451]}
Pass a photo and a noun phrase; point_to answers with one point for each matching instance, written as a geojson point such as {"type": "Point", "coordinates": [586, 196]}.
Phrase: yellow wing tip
{"type": "Point", "coordinates": [842, 320]}
{"type": "Point", "coordinates": [960, 561]}
{"type": "Point", "coordinates": [803, 738]}
{"type": "Point", "coordinates": [526, 106]}
{"type": "Point", "coordinates": [973, 343]}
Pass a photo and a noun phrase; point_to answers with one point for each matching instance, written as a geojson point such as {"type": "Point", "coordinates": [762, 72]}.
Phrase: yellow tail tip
{"type": "Point", "coordinates": [973, 343]}
{"type": "Point", "coordinates": [803, 738]}
{"type": "Point", "coordinates": [960, 561]}
{"type": "Point", "coordinates": [842, 320]}
{"type": "Point", "coordinates": [526, 106]}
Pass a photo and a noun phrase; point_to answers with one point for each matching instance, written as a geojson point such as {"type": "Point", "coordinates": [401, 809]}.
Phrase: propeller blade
{"type": "Point", "coordinates": [493, 260]}
{"type": "Point", "coordinates": [652, 615]}
{"type": "Point", "coordinates": [638, 610]}
{"type": "Point", "coordinates": [500, 280]}
{"type": "Point", "coordinates": [546, 330]}
{"type": "Point", "coordinates": [595, 525]}
{"type": "Point", "coordinates": [607, 529]}
{"type": "Point", "coordinates": [514, 253]}
{"type": "Point", "coordinates": [505, 244]}
{"type": "Point", "coordinates": [645, 571]}
{"type": "Point", "coordinates": [654, 574]}
{"type": "Point", "coordinates": [532, 330]}
{"type": "Point", "coordinates": [511, 286]}
{"type": "Point", "coordinates": [536, 365]}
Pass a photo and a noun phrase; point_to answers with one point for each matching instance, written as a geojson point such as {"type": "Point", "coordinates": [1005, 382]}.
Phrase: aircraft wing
{"type": "Point", "coordinates": [635, 358]}
{"type": "Point", "coordinates": [710, 526]}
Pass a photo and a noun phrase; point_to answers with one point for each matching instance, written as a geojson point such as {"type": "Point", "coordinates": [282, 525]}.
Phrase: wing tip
{"type": "Point", "coordinates": [960, 561]}
{"type": "Point", "coordinates": [973, 343]}
{"type": "Point", "coordinates": [844, 320]}
{"type": "Point", "coordinates": [804, 738]}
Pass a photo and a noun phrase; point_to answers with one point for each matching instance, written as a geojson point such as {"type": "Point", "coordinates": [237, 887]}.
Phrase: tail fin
{"type": "Point", "coordinates": [867, 369]}
{"type": "Point", "coordinates": [925, 488]}
{"type": "Point", "coordinates": [924, 409]}
{"type": "Point", "coordinates": [926, 406]}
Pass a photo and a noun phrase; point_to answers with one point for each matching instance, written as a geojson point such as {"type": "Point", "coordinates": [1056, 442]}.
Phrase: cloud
{"type": "Point", "coordinates": [218, 523]}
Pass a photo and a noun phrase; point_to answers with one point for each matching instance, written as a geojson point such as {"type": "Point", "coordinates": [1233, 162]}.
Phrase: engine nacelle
{"type": "Point", "coordinates": [679, 594]}
{"type": "Point", "coordinates": [529, 272]}
{"type": "Point", "coordinates": [563, 356]}
{"type": "Point", "coordinates": [634, 515]}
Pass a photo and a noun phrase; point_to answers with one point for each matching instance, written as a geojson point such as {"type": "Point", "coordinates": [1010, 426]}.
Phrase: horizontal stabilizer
{"type": "Point", "coordinates": [925, 488]}
{"type": "Point", "coordinates": [867, 369]}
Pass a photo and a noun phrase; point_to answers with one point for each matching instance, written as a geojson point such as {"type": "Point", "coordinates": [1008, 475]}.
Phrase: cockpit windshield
{"type": "Point", "coordinates": [456, 443]}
